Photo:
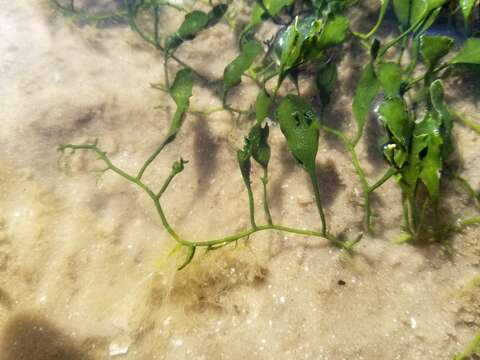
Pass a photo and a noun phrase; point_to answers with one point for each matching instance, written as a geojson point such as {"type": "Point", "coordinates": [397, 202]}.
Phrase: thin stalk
{"type": "Point", "coordinates": [251, 206]}
{"type": "Point", "coordinates": [469, 189]}
{"type": "Point", "coordinates": [420, 78]}
{"type": "Point", "coordinates": [318, 201]}
{"type": "Point", "coordinates": [383, 179]}
{"type": "Point", "coordinates": [151, 159]}
{"type": "Point", "coordinates": [406, 216]}
{"type": "Point", "coordinates": [156, 24]}
{"type": "Point", "coordinates": [265, 197]}
{"type": "Point", "coordinates": [413, 213]}
{"type": "Point", "coordinates": [165, 71]}
{"type": "Point", "coordinates": [383, 50]}
{"type": "Point", "coordinates": [165, 184]}
{"type": "Point", "coordinates": [245, 233]}
{"type": "Point", "coordinates": [359, 170]}
{"type": "Point", "coordinates": [103, 156]}
{"type": "Point", "coordinates": [383, 9]}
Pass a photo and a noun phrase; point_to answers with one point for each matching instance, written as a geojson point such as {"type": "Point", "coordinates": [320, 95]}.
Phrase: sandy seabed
{"type": "Point", "coordinates": [84, 272]}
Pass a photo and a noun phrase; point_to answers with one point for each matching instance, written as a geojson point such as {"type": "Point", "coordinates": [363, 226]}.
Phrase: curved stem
{"type": "Point", "coordinates": [383, 9]}
{"type": "Point", "coordinates": [208, 243]}
{"type": "Point", "coordinates": [383, 50]}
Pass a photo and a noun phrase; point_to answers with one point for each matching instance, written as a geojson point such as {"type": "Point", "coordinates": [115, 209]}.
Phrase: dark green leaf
{"type": "Point", "coordinates": [433, 48]}
{"type": "Point", "coordinates": [326, 80]}
{"type": "Point", "coordinates": [194, 22]}
{"type": "Point", "coordinates": [181, 91]}
{"type": "Point", "coordinates": [334, 33]}
{"type": "Point", "coordinates": [216, 14]}
{"type": "Point", "coordinates": [367, 89]}
{"type": "Point", "coordinates": [411, 171]}
{"type": "Point", "coordinates": [305, 40]}
{"type": "Point", "coordinates": [441, 111]}
{"type": "Point", "coordinates": [390, 77]}
{"type": "Point", "coordinates": [426, 149]}
{"type": "Point", "coordinates": [301, 129]}
{"type": "Point", "coordinates": [262, 106]}
{"type": "Point", "coordinates": [393, 113]}
{"type": "Point", "coordinates": [432, 166]}
{"type": "Point", "coordinates": [243, 158]}
{"type": "Point", "coordinates": [233, 72]}
{"type": "Point", "coordinates": [258, 141]}
{"type": "Point", "coordinates": [290, 46]}
{"type": "Point", "coordinates": [469, 53]}
{"type": "Point", "coordinates": [467, 8]}
{"type": "Point", "coordinates": [421, 8]}
{"type": "Point", "coordinates": [402, 11]}
{"type": "Point", "coordinates": [274, 6]}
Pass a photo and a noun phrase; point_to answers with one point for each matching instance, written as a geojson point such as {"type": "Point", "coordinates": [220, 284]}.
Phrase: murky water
{"type": "Point", "coordinates": [84, 271]}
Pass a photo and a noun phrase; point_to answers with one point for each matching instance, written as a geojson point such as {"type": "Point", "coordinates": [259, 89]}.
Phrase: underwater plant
{"type": "Point", "coordinates": [417, 122]}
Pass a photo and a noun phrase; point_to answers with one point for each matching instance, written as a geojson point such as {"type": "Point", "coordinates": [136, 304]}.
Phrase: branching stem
{"type": "Point", "coordinates": [204, 243]}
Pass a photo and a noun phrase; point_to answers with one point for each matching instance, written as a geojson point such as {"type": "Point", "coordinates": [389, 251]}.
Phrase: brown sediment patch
{"type": "Point", "coordinates": [30, 336]}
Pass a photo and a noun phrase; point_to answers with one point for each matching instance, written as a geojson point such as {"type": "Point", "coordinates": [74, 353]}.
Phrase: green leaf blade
{"type": "Point", "coordinates": [444, 115]}
{"type": "Point", "coordinates": [393, 113]}
{"type": "Point", "coordinates": [181, 92]}
{"type": "Point", "coordinates": [274, 6]}
{"type": "Point", "coordinates": [233, 72]}
{"type": "Point", "coordinates": [301, 130]}
{"type": "Point", "coordinates": [390, 77]}
{"type": "Point", "coordinates": [193, 23]}
{"type": "Point", "coordinates": [402, 11]}
{"type": "Point", "coordinates": [467, 8]}
{"type": "Point", "coordinates": [262, 106]}
{"type": "Point", "coordinates": [334, 32]}
{"type": "Point", "coordinates": [469, 53]}
{"type": "Point", "coordinates": [434, 48]}
{"type": "Point", "coordinates": [258, 141]}
{"type": "Point", "coordinates": [367, 89]}
{"type": "Point", "coordinates": [326, 81]}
